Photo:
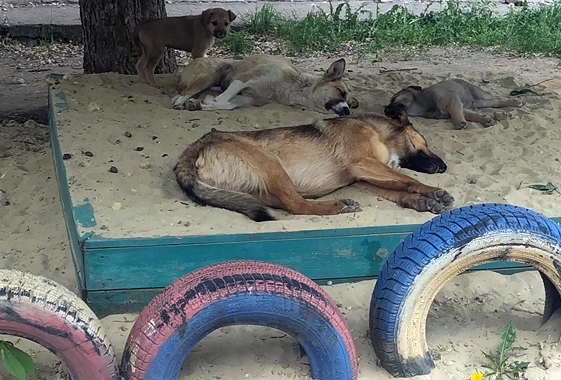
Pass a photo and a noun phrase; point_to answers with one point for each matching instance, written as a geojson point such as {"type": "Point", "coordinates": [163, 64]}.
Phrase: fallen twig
{"type": "Point", "coordinates": [391, 70]}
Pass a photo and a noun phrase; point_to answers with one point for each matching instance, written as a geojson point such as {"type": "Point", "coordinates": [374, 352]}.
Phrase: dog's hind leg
{"type": "Point", "coordinates": [233, 89]}
{"type": "Point", "coordinates": [152, 59]}
{"type": "Point", "coordinates": [282, 193]}
{"type": "Point", "coordinates": [192, 89]}
{"type": "Point", "coordinates": [456, 111]}
{"type": "Point", "coordinates": [141, 68]}
{"type": "Point", "coordinates": [484, 120]}
{"type": "Point", "coordinates": [197, 76]}
{"type": "Point", "coordinates": [236, 102]}
{"type": "Point", "coordinates": [382, 176]}
{"type": "Point", "coordinates": [496, 103]}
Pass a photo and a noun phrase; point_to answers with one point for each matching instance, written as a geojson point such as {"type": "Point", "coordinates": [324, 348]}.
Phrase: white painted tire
{"type": "Point", "coordinates": [438, 251]}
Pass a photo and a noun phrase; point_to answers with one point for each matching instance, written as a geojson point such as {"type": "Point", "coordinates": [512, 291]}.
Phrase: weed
{"type": "Point", "coordinates": [523, 29]}
{"type": "Point", "coordinates": [17, 362]}
{"type": "Point", "coordinates": [499, 365]}
{"type": "Point", "coordinates": [263, 21]}
{"type": "Point", "coordinates": [237, 42]}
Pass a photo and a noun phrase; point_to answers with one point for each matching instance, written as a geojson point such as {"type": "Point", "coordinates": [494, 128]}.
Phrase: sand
{"type": "Point", "coordinates": [469, 312]}
{"type": "Point", "coordinates": [484, 164]}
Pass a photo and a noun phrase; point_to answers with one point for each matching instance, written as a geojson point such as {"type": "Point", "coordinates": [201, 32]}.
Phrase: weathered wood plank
{"type": "Point", "coordinates": [317, 258]}
{"type": "Point", "coordinates": [64, 190]}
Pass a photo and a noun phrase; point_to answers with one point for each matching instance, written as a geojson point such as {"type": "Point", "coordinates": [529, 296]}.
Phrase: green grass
{"type": "Point", "coordinates": [237, 42]}
{"type": "Point", "coordinates": [521, 29]}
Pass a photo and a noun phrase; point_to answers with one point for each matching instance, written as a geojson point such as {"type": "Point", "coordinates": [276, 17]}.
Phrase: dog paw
{"type": "Point", "coordinates": [461, 126]}
{"type": "Point", "coordinates": [347, 206]}
{"type": "Point", "coordinates": [194, 105]}
{"type": "Point", "coordinates": [177, 103]}
{"type": "Point", "coordinates": [441, 196]}
{"type": "Point", "coordinates": [488, 122]}
{"type": "Point", "coordinates": [430, 205]}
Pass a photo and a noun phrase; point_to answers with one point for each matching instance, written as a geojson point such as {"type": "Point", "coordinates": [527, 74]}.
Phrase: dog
{"type": "Point", "coordinates": [193, 34]}
{"type": "Point", "coordinates": [448, 99]}
{"type": "Point", "coordinates": [263, 79]}
{"type": "Point", "coordinates": [281, 167]}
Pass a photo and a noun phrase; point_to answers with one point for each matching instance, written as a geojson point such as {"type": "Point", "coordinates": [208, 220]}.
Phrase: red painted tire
{"type": "Point", "coordinates": [239, 293]}
{"type": "Point", "coordinates": [47, 313]}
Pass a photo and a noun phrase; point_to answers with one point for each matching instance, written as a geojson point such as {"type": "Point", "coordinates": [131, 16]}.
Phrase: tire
{"type": "Point", "coordinates": [441, 249]}
{"type": "Point", "coordinates": [239, 293]}
{"type": "Point", "coordinates": [38, 309]}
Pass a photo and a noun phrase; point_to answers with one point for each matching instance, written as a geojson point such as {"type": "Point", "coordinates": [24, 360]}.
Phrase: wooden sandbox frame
{"type": "Point", "coordinates": [117, 275]}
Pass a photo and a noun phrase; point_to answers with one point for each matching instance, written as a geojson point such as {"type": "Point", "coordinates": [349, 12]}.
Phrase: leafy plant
{"type": "Point", "coordinates": [524, 29]}
{"type": "Point", "coordinates": [499, 364]}
{"type": "Point", "coordinates": [17, 362]}
{"type": "Point", "coordinates": [238, 42]}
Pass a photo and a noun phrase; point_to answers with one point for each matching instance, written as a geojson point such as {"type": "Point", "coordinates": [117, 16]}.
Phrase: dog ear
{"type": "Point", "coordinates": [336, 70]}
{"type": "Point", "coordinates": [417, 88]}
{"type": "Point", "coordinates": [395, 112]}
{"type": "Point", "coordinates": [207, 15]}
{"type": "Point", "coordinates": [403, 118]}
{"type": "Point", "coordinates": [353, 103]}
{"type": "Point", "coordinates": [232, 16]}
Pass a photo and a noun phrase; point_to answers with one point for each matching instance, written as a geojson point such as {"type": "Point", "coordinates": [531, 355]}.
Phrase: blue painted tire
{"type": "Point", "coordinates": [239, 293]}
{"type": "Point", "coordinates": [441, 249]}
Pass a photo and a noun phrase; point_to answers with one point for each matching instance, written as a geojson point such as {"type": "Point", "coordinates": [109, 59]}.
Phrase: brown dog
{"type": "Point", "coordinates": [263, 79]}
{"type": "Point", "coordinates": [445, 100]}
{"type": "Point", "coordinates": [194, 34]}
{"type": "Point", "coordinates": [280, 167]}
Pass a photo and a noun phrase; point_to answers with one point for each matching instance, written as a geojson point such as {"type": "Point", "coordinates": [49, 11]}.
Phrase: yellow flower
{"type": "Point", "coordinates": [477, 376]}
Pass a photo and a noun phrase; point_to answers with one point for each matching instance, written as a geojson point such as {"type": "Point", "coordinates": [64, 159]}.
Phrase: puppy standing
{"type": "Point", "coordinates": [194, 34]}
{"type": "Point", "coordinates": [449, 99]}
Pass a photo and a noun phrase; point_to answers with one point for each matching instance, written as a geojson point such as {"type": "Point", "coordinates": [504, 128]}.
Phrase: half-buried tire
{"type": "Point", "coordinates": [239, 293]}
{"type": "Point", "coordinates": [441, 249]}
{"type": "Point", "coordinates": [47, 313]}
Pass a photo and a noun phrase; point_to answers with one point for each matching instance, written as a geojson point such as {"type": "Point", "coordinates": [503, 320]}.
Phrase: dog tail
{"type": "Point", "coordinates": [204, 194]}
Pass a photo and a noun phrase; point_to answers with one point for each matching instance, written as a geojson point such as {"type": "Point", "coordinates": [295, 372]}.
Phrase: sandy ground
{"type": "Point", "coordinates": [469, 312]}
{"type": "Point", "coordinates": [142, 199]}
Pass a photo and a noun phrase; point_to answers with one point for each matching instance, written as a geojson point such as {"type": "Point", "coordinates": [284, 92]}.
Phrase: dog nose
{"type": "Point", "coordinates": [441, 167]}
{"type": "Point", "coordinates": [220, 33]}
{"type": "Point", "coordinates": [346, 111]}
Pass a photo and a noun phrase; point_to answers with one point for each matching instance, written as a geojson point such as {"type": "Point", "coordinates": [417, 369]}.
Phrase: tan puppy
{"type": "Point", "coordinates": [263, 79]}
{"type": "Point", "coordinates": [449, 99]}
{"type": "Point", "coordinates": [280, 167]}
{"type": "Point", "coordinates": [194, 34]}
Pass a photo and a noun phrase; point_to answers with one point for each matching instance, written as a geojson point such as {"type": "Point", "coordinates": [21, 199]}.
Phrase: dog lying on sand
{"type": "Point", "coordinates": [282, 167]}
{"type": "Point", "coordinates": [263, 79]}
{"type": "Point", "coordinates": [450, 99]}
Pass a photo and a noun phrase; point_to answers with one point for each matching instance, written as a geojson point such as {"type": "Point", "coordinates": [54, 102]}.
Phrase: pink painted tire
{"type": "Point", "coordinates": [47, 313]}
{"type": "Point", "coordinates": [239, 293]}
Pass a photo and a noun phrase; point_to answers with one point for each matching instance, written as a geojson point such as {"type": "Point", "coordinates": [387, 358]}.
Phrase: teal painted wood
{"type": "Point", "coordinates": [320, 254]}
{"type": "Point", "coordinates": [98, 241]}
{"type": "Point", "coordinates": [104, 303]}
{"type": "Point", "coordinates": [67, 206]}
{"type": "Point", "coordinates": [84, 214]}
{"type": "Point", "coordinates": [332, 257]}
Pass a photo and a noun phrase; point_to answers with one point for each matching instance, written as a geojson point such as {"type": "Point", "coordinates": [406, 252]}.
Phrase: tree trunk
{"type": "Point", "coordinates": [109, 43]}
